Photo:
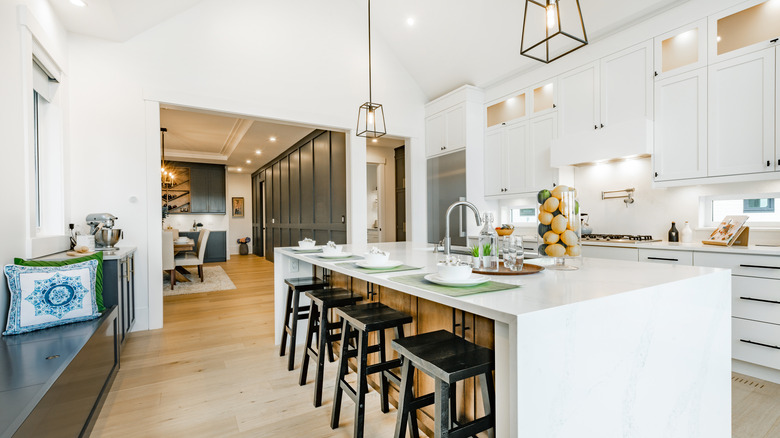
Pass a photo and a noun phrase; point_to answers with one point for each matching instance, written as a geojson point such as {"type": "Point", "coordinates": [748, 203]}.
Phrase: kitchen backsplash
{"type": "Point", "coordinates": [183, 222]}
{"type": "Point", "coordinates": [654, 208]}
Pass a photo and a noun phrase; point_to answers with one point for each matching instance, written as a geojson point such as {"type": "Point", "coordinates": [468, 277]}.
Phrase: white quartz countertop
{"type": "Point", "coordinates": [596, 279]}
{"type": "Point", "coordinates": [695, 246]}
{"type": "Point", "coordinates": [117, 254]}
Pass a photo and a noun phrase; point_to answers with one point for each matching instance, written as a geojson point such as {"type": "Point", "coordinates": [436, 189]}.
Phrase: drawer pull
{"type": "Point", "coordinates": [759, 266]}
{"type": "Point", "coordinates": [758, 343]}
{"type": "Point", "coordinates": [759, 299]}
{"type": "Point", "coordinates": [663, 258]}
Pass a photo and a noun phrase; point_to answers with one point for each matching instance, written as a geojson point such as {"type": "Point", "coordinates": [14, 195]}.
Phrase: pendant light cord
{"type": "Point", "coordinates": [370, 99]}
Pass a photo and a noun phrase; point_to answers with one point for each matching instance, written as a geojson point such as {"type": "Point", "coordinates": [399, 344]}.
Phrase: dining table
{"type": "Point", "coordinates": [182, 245]}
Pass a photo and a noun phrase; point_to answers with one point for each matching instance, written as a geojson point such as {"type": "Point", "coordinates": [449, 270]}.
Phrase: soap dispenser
{"type": "Point", "coordinates": [686, 234]}
{"type": "Point", "coordinates": [674, 235]}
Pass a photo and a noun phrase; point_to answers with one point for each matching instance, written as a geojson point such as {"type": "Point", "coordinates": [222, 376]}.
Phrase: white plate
{"type": "Point", "coordinates": [390, 264]}
{"type": "Point", "coordinates": [340, 255]}
{"type": "Point", "coordinates": [474, 280]}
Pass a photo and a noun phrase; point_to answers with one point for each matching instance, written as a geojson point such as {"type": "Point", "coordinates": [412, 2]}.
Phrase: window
{"type": "Point", "coordinates": [759, 207]}
{"type": "Point", "coordinates": [36, 161]}
{"type": "Point", "coordinates": [521, 215]}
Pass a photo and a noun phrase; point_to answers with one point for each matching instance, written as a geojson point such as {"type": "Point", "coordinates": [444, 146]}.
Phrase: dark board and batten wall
{"type": "Point", "coordinates": [305, 191]}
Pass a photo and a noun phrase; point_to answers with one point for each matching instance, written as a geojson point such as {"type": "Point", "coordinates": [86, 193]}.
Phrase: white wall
{"type": "Point", "coordinates": [386, 157]}
{"type": "Point", "coordinates": [15, 114]}
{"type": "Point", "coordinates": [239, 185]}
{"type": "Point", "coordinates": [260, 59]}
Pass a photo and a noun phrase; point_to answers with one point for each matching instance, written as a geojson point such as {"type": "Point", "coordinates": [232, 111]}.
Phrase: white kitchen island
{"type": "Point", "coordinates": [614, 349]}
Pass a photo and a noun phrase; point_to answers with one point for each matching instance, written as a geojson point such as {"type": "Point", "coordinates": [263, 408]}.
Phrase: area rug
{"type": "Point", "coordinates": [215, 279]}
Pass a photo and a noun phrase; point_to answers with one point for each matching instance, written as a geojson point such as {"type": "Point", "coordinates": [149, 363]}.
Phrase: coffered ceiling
{"type": "Point", "coordinates": [205, 137]}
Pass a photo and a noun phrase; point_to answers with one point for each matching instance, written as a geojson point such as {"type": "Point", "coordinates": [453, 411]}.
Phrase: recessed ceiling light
{"type": "Point", "coordinates": [410, 21]}
{"type": "Point", "coordinates": [248, 161]}
{"type": "Point", "coordinates": [272, 139]}
{"type": "Point", "coordinates": [79, 3]}
{"type": "Point", "coordinates": [374, 141]}
{"type": "Point", "coordinates": [239, 169]}
{"type": "Point", "coordinates": [258, 152]}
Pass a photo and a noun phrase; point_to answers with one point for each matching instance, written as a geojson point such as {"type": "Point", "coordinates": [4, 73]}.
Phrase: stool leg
{"type": "Point", "coordinates": [441, 426]}
{"type": "Point", "coordinates": [384, 385]}
{"type": "Point", "coordinates": [293, 331]}
{"type": "Point", "coordinates": [323, 341]}
{"type": "Point", "coordinates": [362, 384]}
{"type": "Point", "coordinates": [453, 407]}
{"type": "Point", "coordinates": [287, 311]}
{"type": "Point", "coordinates": [343, 365]}
{"type": "Point", "coordinates": [489, 399]}
{"type": "Point", "coordinates": [311, 328]}
{"type": "Point", "coordinates": [405, 398]}
{"type": "Point", "coordinates": [330, 348]}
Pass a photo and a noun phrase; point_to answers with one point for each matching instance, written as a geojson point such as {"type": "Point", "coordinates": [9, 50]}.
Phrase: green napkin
{"type": "Point", "coordinates": [336, 259]}
{"type": "Point", "coordinates": [307, 251]}
{"type": "Point", "coordinates": [418, 280]}
{"type": "Point", "coordinates": [353, 266]}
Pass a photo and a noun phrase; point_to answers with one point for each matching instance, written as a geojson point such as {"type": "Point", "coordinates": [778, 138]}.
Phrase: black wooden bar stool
{"type": "Point", "coordinates": [320, 326]}
{"type": "Point", "coordinates": [364, 319]}
{"type": "Point", "coordinates": [448, 359]}
{"type": "Point", "coordinates": [293, 312]}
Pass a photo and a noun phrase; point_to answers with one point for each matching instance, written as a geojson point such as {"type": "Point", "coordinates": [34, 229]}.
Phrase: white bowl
{"type": "Point", "coordinates": [303, 244]}
{"type": "Point", "coordinates": [376, 259]}
{"type": "Point", "coordinates": [454, 272]}
{"type": "Point", "coordinates": [326, 250]}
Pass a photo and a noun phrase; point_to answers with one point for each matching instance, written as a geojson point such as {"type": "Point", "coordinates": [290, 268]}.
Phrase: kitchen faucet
{"type": "Point", "coordinates": [447, 240]}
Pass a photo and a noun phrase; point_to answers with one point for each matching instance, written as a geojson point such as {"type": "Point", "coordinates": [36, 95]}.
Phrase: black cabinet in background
{"type": "Point", "coordinates": [216, 246]}
{"type": "Point", "coordinates": [207, 187]}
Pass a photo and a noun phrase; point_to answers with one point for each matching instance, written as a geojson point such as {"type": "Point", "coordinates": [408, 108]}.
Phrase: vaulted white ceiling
{"type": "Point", "coordinates": [451, 43]}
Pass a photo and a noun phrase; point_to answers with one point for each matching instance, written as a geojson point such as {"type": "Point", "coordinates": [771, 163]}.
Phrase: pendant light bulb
{"type": "Point", "coordinates": [552, 15]}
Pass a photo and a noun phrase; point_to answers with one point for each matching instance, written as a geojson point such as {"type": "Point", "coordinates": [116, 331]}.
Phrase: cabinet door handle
{"type": "Point", "coordinates": [772, 41]}
{"type": "Point", "coordinates": [595, 126]}
{"type": "Point", "coordinates": [602, 125]}
{"type": "Point", "coordinates": [759, 343]}
{"type": "Point", "coordinates": [760, 300]}
{"type": "Point", "coordinates": [663, 258]}
{"type": "Point", "coordinates": [555, 106]}
{"type": "Point", "coordinates": [655, 73]}
{"type": "Point", "coordinates": [656, 174]}
{"type": "Point", "coordinates": [768, 163]}
{"type": "Point", "coordinates": [759, 266]}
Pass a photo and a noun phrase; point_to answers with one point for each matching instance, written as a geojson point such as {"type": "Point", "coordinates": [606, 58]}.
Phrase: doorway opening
{"type": "Point", "coordinates": [384, 221]}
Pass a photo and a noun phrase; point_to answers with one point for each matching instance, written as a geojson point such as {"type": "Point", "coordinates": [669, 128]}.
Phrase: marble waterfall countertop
{"type": "Point", "coordinates": [616, 348]}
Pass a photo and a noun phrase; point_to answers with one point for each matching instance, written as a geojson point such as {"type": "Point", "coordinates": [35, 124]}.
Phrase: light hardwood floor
{"type": "Point", "coordinates": [213, 371]}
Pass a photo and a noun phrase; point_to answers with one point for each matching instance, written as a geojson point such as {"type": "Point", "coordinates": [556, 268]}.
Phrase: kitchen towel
{"type": "Point", "coordinates": [418, 280]}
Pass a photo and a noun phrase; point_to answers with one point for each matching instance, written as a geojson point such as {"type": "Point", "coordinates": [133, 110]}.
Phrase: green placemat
{"type": "Point", "coordinates": [339, 259]}
{"type": "Point", "coordinates": [307, 251]}
{"type": "Point", "coordinates": [417, 280]}
{"type": "Point", "coordinates": [355, 267]}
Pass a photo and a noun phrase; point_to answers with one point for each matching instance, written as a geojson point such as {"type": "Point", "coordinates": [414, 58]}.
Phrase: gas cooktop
{"type": "Point", "coordinates": [618, 238]}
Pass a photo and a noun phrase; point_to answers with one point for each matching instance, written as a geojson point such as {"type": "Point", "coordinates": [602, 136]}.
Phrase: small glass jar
{"type": "Point", "coordinates": [512, 251]}
{"type": "Point", "coordinates": [559, 227]}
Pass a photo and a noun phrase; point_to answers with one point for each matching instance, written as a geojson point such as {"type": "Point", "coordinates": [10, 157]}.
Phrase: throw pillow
{"type": "Point", "coordinates": [48, 296]}
{"type": "Point", "coordinates": [98, 276]}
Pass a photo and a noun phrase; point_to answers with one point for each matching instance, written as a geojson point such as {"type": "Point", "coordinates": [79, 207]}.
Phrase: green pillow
{"type": "Point", "coordinates": [98, 255]}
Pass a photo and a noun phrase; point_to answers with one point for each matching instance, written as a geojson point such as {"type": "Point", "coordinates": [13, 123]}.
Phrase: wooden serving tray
{"type": "Point", "coordinates": [528, 268]}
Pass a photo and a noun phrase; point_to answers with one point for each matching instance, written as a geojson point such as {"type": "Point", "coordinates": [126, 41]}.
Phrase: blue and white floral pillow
{"type": "Point", "coordinates": [48, 296]}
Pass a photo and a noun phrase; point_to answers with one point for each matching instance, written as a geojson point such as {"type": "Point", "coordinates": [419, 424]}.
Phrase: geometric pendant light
{"type": "Point", "coordinates": [552, 29]}
{"type": "Point", "coordinates": [371, 116]}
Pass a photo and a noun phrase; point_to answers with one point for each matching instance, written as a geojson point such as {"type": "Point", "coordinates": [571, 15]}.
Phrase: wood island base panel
{"type": "Point", "coordinates": [606, 350]}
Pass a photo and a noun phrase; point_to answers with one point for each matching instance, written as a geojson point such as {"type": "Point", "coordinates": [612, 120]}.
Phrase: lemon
{"type": "Point", "coordinates": [556, 192]}
{"type": "Point", "coordinates": [556, 250]}
{"type": "Point", "coordinates": [568, 237]}
{"type": "Point", "coordinates": [574, 251]}
{"type": "Point", "coordinates": [551, 204]}
{"type": "Point", "coordinates": [551, 237]}
{"type": "Point", "coordinates": [545, 217]}
{"type": "Point", "coordinates": [559, 223]}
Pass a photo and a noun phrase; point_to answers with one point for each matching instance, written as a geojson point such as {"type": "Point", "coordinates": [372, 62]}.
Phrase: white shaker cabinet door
{"type": "Point", "coordinates": [539, 173]}
{"type": "Point", "coordinates": [742, 114]}
{"type": "Point", "coordinates": [514, 166]}
{"type": "Point", "coordinates": [627, 85]}
{"type": "Point", "coordinates": [680, 138]}
{"type": "Point", "coordinates": [578, 94]}
{"type": "Point", "coordinates": [435, 134]}
{"type": "Point", "coordinates": [494, 151]}
{"type": "Point", "coordinates": [456, 128]}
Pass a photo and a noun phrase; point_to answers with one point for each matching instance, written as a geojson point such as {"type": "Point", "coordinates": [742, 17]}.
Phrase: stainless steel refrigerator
{"type": "Point", "coordinates": [447, 184]}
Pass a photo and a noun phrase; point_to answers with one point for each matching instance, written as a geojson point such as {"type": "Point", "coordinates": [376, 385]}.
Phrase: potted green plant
{"type": "Point", "coordinates": [475, 256]}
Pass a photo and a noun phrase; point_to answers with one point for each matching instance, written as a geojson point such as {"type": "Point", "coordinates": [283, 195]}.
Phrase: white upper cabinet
{"type": "Point", "coordinates": [446, 131]}
{"type": "Point", "coordinates": [627, 85]}
{"type": "Point", "coordinates": [539, 173]}
{"type": "Point", "coordinates": [680, 146]}
{"type": "Point", "coordinates": [544, 97]}
{"type": "Point", "coordinates": [495, 164]}
{"type": "Point", "coordinates": [745, 28]}
{"type": "Point", "coordinates": [579, 96]}
{"type": "Point", "coordinates": [514, 164]}
{"type": "Point", "coordinates": [511, 109]}
{"type": "Point", "coordinates": [681, 50]}
{"type": "Point", "coordinates": [777, 109]}
{"type": "Point", "coordinates": [742, 114]}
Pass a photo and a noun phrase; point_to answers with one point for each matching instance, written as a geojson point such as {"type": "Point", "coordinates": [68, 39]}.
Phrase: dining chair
{"type": "Point", "coordinates": [168, 263]}
{"type": "Point", "coordinates": [193, 259]}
